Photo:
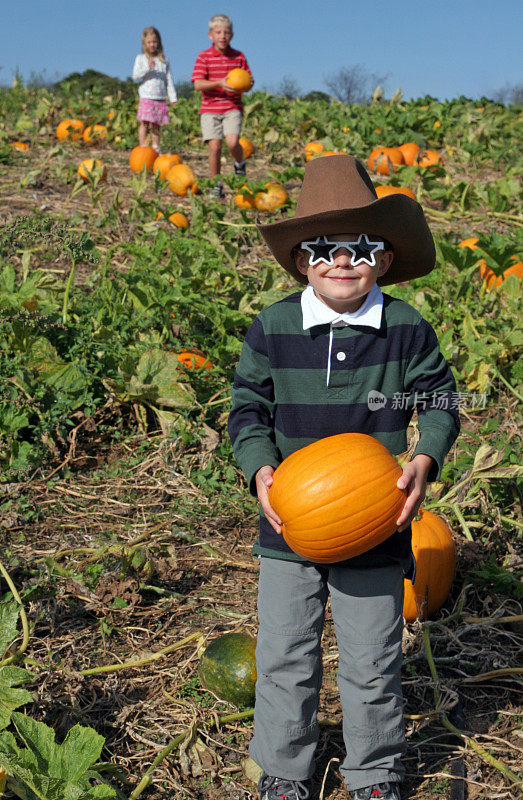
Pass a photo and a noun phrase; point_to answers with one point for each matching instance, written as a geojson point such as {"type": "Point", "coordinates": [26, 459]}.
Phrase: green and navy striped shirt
{"type": "Point", "coordinates": [282, 400]}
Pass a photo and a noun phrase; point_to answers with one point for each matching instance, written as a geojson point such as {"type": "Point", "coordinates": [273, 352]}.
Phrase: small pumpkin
{"type": "Point", "coordinates": [228, 668]}
{"type": "Point", "coordinates": [141, 157]}
{"type": "Point", "coordinates": [385, 159]}
{"type": "Point", "coordinates": [409, 151]}
{"type": "Point", "coordinates": [383, 190]}
{"type": "Point", "coordinates": [22, 146]}
{"type": "Point", "coordinates": [90, 166]}
{"type": "Point", "coordinates": [179, 219]}
{"type": "Point", "coordinates": [313, 149]}
{"type": "Point", "coordinates": [70, 129]}
{"type": "Point", "coordinates": [471, 243]}
{"type": "Point", "coordinates": [247, 146]}
{"type": "Point", "coordinates": [93, 133]}
{"type": "Point", "coordinates": [163, 164]}
{"type": "Point", "coordinates": [274, 196]}
{"type": "Point", "coordinates": [428, 158]}
{"type": "Point", "coordinates": [435, 554]}
{"type": "Point", "coordinates": [492, 280]}
{"type": "Point", "coordinates": [244, 198]}
{"type": "Point", "coordinates": [181, 179]}
{"type": "Point", "coordinates": [194, 359]}
{"type": "Point", "coordinates": [337, 497]}
{"type": "Point", "coordinates": [239, 80]}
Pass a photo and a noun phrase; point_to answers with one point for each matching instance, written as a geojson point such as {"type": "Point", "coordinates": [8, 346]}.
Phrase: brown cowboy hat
{"type": "Point", "coordinates": [337, 196]}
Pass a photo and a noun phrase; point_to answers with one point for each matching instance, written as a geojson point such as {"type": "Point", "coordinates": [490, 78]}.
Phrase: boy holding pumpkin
{"type": "Point", "coordinates": [309, 367]}
{"type": "Point", "coordinates": [221, 108]}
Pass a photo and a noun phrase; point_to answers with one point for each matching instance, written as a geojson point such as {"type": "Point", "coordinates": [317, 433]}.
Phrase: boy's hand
{"type": "Point", "coordinates": [414, 480]}
{"type": "Point", "coordinates": [225, 86]}
{"type": "Point", "coordinates": [263, 482]}
{"type": "Point", "coordinates": [173, 102]}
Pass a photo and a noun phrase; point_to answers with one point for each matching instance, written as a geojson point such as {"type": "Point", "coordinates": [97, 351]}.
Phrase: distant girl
{"type": "Point", "coordinates": [151, 70]}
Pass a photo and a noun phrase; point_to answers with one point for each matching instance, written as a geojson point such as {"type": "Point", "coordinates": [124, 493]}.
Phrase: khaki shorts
{"type": "Point", "coordinates": [216, 126]}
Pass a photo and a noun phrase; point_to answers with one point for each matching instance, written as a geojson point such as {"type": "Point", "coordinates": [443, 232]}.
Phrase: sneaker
{"type": "Point", "coordinates": [217, 192]}
{"type": "Point", "coordinates": [240, 169]}
{"type": "Point", "coordinates": [379, 791]}
{"type": "Point", "coordinates": [270, 788]}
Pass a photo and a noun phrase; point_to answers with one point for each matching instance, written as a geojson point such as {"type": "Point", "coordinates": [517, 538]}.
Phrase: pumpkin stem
{"type": "Point", "coordinates": [404, 458]}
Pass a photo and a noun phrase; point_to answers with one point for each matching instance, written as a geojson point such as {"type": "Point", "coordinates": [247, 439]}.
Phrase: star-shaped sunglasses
{"type": "Point", "coordinates": [362, 250]}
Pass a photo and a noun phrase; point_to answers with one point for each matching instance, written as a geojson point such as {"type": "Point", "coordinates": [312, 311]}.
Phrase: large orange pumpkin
{"type": "Point", "coordinates": [409, 151]}
{"type": "Point", "coordinates": [337, 497]}
{"type": "Point", "coordinates": [69, 129]}
{"type": "Point", "coordinates": [238, 79]}
{"type": "Point", "coordinates": [313, 149]}
{"type": "Point", "coordinates": [91, 165]}
{"type": "Point", "coordinates": [141, 157]}
{"type": "Point", "coordinates": [94, 133]}
{"type": "Point", "coordinates": [385, 159]}
{"type": "Point", "coordinates": [274, 196]}
{"type": "Point", "coordinates": [247, 146]}
{"type": "Point", "coordinates": [163, 164]}
{"type": "Point", "coordinates": [384, 190]}
{"type": "Point", "coordinates": [435, 554]}
{"type": "Point", "coordinates": [181, 179]}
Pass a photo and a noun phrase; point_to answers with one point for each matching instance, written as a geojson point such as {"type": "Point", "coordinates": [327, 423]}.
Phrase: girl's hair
{"type": "Point", "coordinates": [220, 19]}
{"type": "Point", "coordinates": [146, 32]}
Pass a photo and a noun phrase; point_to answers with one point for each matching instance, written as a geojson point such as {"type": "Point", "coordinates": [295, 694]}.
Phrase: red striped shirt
{"type": "Point", "coordinates": [211, 65]}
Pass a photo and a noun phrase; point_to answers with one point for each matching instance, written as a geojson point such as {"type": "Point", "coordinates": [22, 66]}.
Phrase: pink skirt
{"type": "Point", "coordinates": [155, 111]}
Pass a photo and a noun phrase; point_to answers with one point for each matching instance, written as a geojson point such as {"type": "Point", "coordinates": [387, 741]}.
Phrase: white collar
{"type": "Point", "coordinates": [317, 313]}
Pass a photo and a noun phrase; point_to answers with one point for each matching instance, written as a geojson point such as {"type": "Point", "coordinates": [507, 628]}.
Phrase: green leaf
{"type": "Point", "coordinates": [8, 619]}
{"type": "Point", "coordinates": [11, 697]}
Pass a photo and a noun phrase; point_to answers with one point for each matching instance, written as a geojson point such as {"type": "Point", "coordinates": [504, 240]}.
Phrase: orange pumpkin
{"type": "Point", "coordinates": [313, 149]}
{"type": "Point", "coordinates": [337, 497]}
{"type": "Point", "coordinates": [163, 164]}
{"type": "Point", "coordinates": [194, 359]}
{"type": "Point", "coordinates": [179, 219]}
{"type": "Point", "coordinates": [239, 80]}
{"type": "Point", "coordinates": [471, 243]}
{"type": "Point", "coordinates": [385, 159]}
{"type": "Point", "coordinates": [435, 554]}
{"type": "Point", "coordinates": [22, 146]}
{"type": "Point", "coordinates": [91, 165]}
{"type": "Point", "coordinates": [274, 196]}
{"type": "Point", "coordinates": [492, 280]}
{"type": "Point", "coordinates": [383, 190]}
{"type": "Point", "coordinates": [93, 133]}
{"type": "Point", "coordinates": [245, 198]}
{"type": "Point", "coordinates": [428, 158]}
{"type": "Point", "coordinates": [181, 179]}
{"type": "Point", "coordinates": [409, 150]}
{"type": "Point", "coordinates": [69, 129]}
{"type": "Point", "coordinates": [141, 157]}
{"type": "Point", "coordinates": [247, 147]}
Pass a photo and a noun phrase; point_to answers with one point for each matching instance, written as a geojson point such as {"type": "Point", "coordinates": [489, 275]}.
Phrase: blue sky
{"type": "Point", "coordinates": [445, 48]}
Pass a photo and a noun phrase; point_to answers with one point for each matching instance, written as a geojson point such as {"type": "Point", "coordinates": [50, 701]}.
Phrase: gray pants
{"type": "Point", "coordinates": [367, 611]}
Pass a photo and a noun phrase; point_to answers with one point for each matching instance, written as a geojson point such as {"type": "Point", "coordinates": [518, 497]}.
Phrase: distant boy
{"type": "Point", "coordinates": [222, 107]}
{"type": "Point", "coordinates": [309, 367]}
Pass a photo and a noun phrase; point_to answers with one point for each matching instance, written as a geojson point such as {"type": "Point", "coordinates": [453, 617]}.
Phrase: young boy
{"type": "Point", "coordinates": [221, 108]}
{"type": "Point", "coordinates": [312, 366]}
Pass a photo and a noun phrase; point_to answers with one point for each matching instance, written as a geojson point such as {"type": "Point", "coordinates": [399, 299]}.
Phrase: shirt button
{"type": "Point", "coordinates": [341, 356]}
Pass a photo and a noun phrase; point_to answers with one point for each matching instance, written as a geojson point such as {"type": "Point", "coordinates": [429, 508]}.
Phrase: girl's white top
{"type": "Point", "coordinates": [156, 83]}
